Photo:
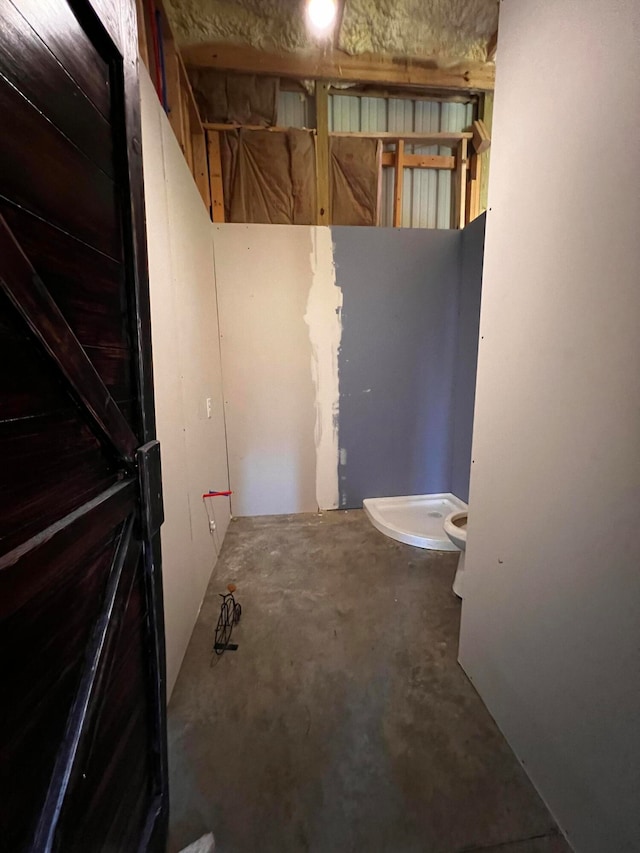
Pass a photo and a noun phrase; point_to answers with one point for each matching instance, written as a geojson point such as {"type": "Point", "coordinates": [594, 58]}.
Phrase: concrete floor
{"type": "Point", "coordinates": [343, 722]}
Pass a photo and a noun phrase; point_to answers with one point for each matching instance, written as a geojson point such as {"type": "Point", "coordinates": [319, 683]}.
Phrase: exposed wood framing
{"type": "Point", "coordinates": [398, 185]}
{"type": "Point", "coordinates": [420, 161]}
{"type": "Point", "coordinates": [222, 128]}
{"type": "Point", "coordinates": [322, 153]}
{"type": "Point", "coordinates": [174, 91]}
{"type": "Point", "coordinates": [445, 139]}
{"type": "Point", "coordinates": [337, 65]}
{"type": "Point", "coordinates": [143, 48]}
{"type": "Point", "coordinates": [405, 93]}
{"type": "Point", "coordinates": [481, 138]}
{"type": "Point", "coordinates": [201, 167]}
{"type": "Point", "coordinates": [215, 176]}
{"type": "Point", "coordinates": [485, 113]}
{"type": "Point", "coordinates": [190, 97]}
{"type": "Point", "coordinates": [473, 188]}
{"type": "Point", "coordinates": [183, 114]}
{"type": "Point", "coordinates": [460, 186]}
{"type": "Point", "coordinates": [187, 143]}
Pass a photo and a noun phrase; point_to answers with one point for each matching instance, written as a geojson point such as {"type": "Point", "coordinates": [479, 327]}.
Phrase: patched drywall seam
{"type": "Point", "coordinates": [324, 319]}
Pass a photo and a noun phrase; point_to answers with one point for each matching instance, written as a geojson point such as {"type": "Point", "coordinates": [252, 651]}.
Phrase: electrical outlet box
{"type": "Point", "coordinates": [208, 407]}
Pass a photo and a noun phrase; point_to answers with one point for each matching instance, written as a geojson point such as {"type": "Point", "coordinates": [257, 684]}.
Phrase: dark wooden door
{"type": "Point", "coordinates": [82, 721]}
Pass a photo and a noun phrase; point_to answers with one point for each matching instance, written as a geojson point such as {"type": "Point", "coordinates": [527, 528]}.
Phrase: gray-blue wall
{"type": "Point", "coordinates": [464, 391]}
{"type": "Point", "coordinates": [404, 423]}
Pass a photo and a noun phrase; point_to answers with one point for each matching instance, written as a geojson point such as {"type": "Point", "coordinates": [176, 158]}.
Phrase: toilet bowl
{"type": "Point", "coordinates": [455, 526]}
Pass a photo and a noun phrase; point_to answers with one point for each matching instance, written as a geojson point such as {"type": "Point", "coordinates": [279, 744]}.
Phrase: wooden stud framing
{"type": "Point", "coordinates": [225, 127]}
{"type": "Point", "coordinates": [481, 138]}
{"type": "Point", "coordinates": [183, 114]}
{"type": "Point", "coordinates": [174, 91]}
{"type": "Point", "coordinates": [485, 113]}
{"type": "Point", "coordinates": [447, 139]}
{"type": "Point", "coordinates": [337, 65]}
{"type": "Point", "coordinates": [398, 185]}
{"type": "Point", "coordinates": [420, 161]}
{"type": "Point", "coordinates": [200, 166]}
{"type": "Point", "coordinates": [460, 185]}
{"type": "Point", "coordinates": [143, 48]}
{"type": "Point", "coordinates": [186, 129]}
{"type": "Point", "coordinates": [190, 100]}
{"type": "Point", "coordinates": [473, 188]}
{"type": "Point", "coordinates": [322, 154]}
{"type": "Point", "coordinates": [200, 143]}
{"type": "Point", "coordinates": [215, 176]}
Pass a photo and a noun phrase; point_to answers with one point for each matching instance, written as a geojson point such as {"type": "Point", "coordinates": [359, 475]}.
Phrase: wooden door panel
{"type": "Point", "coordinates": [29, 386]}
{"type": "Point", "coordinates": [46, 323]}
{"type": "Point", "coordinates": [88, 288]}
{"type": "Point", "coordinates": [52, 461]}
{"type": "Point", "coordinates": [113, 365]}
{"type": "Point", "coordinates": [42, 649]}
{"type": "Point", "coordinates": [58, 27]}
{"type": "Point", "coordinates": [30, 66]}
{"type": "Point", "coordinates": [52, 466]}
{"type": "Point", "coordinates": [33, 565]}
{"type": "Point", "coordinates": [99, 806]}
{"type": "Point", "coordinates": [80, 487]}
{"type": "Point", "coordinates": [53, 179]}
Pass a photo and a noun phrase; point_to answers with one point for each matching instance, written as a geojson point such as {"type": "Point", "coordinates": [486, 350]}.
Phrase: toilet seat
{"type": "Point", "coordinates": [455, 526]}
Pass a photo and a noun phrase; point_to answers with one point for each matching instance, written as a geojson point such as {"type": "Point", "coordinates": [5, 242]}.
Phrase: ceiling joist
{"type": "Point", "coordinates": [337, 65]}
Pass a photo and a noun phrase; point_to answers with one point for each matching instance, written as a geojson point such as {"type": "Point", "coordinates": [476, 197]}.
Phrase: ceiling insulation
{"type": "Point", "coordinates": [450, 30]}
{"type": "Point", "coordinates": [447, 29]}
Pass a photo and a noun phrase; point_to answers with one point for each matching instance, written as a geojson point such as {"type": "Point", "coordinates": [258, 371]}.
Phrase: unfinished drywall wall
{"type": "Point", "coordinates": [264, 276]}
{"type": "Point", "coordinates": [328, 403]}
{"type": "Point", "coordinates": [186, 372]}
{"type": "Point", "coordinates": [550, 628]}
{"type": "Point", "coordinates": [464, 382]}
{"type": "Point", "coordinates": [397, 362]}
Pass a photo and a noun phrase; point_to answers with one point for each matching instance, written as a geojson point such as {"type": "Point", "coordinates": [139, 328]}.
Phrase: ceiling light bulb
{"type": "Point", "coordinates": [321, 14]}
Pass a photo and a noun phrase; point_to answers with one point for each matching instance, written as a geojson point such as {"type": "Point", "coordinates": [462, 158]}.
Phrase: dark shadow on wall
{"type": "Point", "coordinates": [464, 388]}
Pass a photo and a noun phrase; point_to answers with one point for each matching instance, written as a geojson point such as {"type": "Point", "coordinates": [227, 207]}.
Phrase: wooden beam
{"type": "Point", "coordinates": [223, 128]}
{"type": "Point", "coordinates": [399, 183]}
{"type": "Point", "coordinates": [194, 112]}
{"type": "Point", "coordinates": [216, 186]}
{"type": "Point", "coordinates": [481, 138]}
{"type": "Point", "coordinates": [337, 65]}
{"type": "Point", "coordinates": [406, 93]}
{"type": "Point", "coordinates": [445, 139]}
{"type": "Point", "coordinates": [485, 113]}
{"type": "Point", "coordinates": [174, 90]}
{"type": "Point", "coordinates": [200, 167]}
{"type": "Point", "coordinates": [420, 161]}
{"type": "Point", "coordinates": [460, 186]}
{"type": "Point", "coordinates": [473, 189]}
{"type": "Point", "coordinates": [322, 154]}
{"type": "Point", "coordinates": [143, 48]}
{"type": "Point", "coordinates": [186, 125]}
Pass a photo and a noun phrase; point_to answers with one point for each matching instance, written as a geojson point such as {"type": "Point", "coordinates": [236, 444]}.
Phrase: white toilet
{"type": "Point", "coordinates": [455, 526]}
